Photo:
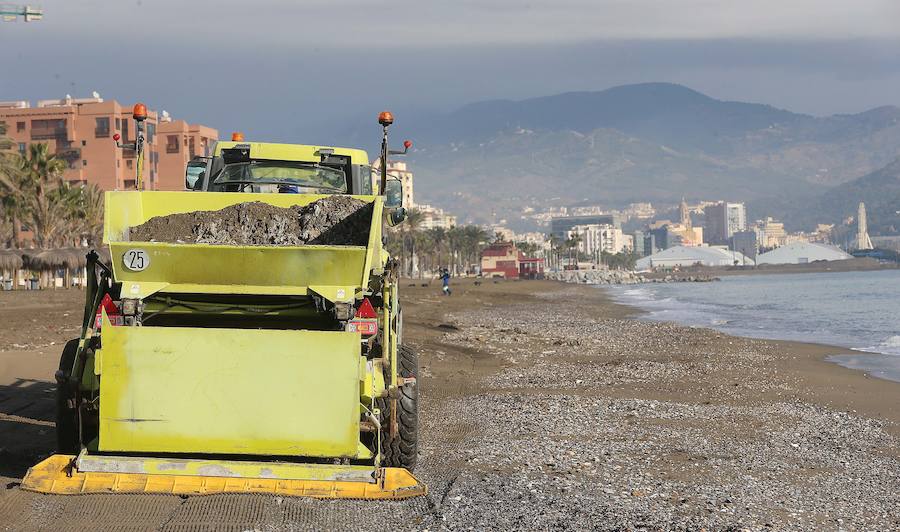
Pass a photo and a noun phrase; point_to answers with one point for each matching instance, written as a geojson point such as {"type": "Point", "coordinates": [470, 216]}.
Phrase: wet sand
{"type": "Point", "coordinates": [543, 405]}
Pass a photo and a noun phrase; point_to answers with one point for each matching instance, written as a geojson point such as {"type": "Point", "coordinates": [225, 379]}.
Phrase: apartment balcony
{"type": "Point", "coordinates": [49, 134]}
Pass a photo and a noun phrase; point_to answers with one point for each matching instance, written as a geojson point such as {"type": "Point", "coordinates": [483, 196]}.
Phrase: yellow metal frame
{"type": "Point", "coordinates": [274, 151]}
{"type": "Point", "coordinates": [58, 475]}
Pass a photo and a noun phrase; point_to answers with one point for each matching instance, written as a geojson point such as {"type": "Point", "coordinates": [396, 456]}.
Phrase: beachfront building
{"type": "Point", "coordinates": [503, 259]}
{"type": "Point", "coordinates": [80, 132]}
{"type": "Point", "coordinates": [686, 256]}
{"type": "Point", "coordinates": [398, 170]}
{"type": "Point", "coordinates": [179, 142]}
{"type": "Point", "coordinates": [802, 253]}
{"type": "Point", "coordinates": [560, 225]}
{"type": "Point", "coordinates": [594, 239]}
{"type": "Point", "coordinates": [433, 217]}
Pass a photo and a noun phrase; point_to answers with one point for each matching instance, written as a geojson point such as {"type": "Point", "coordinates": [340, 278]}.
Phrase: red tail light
{"type": "Point", "coordinates": [112, 312]}
{"type": "Point", "coordinates": [363, 327]}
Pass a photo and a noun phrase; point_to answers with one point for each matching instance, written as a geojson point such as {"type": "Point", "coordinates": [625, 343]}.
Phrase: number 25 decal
{"type": "Point", "coordinates": [136, 260]}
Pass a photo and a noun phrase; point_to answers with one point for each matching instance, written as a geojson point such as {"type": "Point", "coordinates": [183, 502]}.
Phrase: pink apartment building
{"type": "Point", "coordinates": [80, 131]}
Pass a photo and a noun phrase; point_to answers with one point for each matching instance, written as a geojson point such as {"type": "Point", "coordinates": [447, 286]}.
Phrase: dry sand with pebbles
{"type": "Point", "coordinates": [542, 406]}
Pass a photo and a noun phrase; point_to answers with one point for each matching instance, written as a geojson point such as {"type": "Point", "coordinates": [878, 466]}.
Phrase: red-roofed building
{"type": "Point", "coordinates": [503, 259]}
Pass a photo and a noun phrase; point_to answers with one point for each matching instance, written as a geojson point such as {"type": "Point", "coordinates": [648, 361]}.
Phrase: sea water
{"type": "Point", "coordinates": [856, 310]}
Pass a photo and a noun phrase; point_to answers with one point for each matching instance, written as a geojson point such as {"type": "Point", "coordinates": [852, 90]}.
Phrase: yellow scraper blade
{"type": "Point", "coordinates": [57, 475]}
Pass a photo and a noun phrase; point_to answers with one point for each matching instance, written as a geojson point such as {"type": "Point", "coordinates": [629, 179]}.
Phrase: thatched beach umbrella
{"type": "Point", "coordinates": [10, 260]}
{"type": "Point", "coordinates": [46, 262]}
{"type": "Point", "coordinates": [30, 261]}
{"type": "Point", "coordinates": [76, 264]}
{"type": "Point", "coordinates": [10, 264]}
{"type": "Point", "coordinates": [77, 257]}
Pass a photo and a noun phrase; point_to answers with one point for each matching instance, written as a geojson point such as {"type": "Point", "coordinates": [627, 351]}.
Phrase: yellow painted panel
{"type": "Point", "coordinates": [293, 152]}
{"type": "Point", "coordinates": [235, 269]}
{"type": "Point", "coordinates": [229, 391]}
{"type": "Point", "coordinates": [155, 465]}
{"type": "Point", "coordinates": [55, 475]}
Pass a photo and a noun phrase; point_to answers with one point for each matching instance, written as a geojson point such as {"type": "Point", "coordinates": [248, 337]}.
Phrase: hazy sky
{"type": "Point", "coordinates": [307, 70]}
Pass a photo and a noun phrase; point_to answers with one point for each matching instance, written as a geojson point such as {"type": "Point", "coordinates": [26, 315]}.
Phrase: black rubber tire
{"type": "Point", "coordinates": [402, 451]}
{"type": "Point", "coordinates": [66, 418]}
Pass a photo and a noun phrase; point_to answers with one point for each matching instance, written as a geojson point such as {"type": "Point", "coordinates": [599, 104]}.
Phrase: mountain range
{"type": "Point", "coordinates": [880, 190]}
{"type": "Point", "coordinates": [654, 142]}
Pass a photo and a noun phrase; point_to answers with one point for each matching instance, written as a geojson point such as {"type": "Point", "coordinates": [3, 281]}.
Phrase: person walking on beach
{"type": "Point", "coordinates": [445, 281]}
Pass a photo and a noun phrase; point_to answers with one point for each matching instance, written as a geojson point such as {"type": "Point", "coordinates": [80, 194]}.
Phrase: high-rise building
{"type": "Point", "coordinates": [650, 244]}
{"type": "Point", "coordinates": [746, 243]}
{"type": "Point", "coordinates": [598, 238]}
{"type": "Point", "coordinates": [397, 170]}
{"type": "Point", "coordinates": [639, 246]}
{"type": "Point", "coordinates": [80, 132]}
{"type": "Point", "coordinates": [724, 219]}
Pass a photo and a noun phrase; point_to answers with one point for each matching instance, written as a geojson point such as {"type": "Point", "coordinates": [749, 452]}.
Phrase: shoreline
{"type": "Point", "coordinates": [832, 384]}
{"type": "Point", "coordinates": [837, 266]}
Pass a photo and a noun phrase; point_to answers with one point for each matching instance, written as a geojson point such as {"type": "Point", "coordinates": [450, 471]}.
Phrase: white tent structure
{"type": "Point", "coordinates": [802, 253]}
{"type": "Point", "coordinates": [684, 256]}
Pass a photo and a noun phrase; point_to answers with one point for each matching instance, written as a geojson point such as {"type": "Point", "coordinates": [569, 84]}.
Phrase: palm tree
{"type": "Point", "coordinates": [90, 213]}
{"type": "Point", "coordinates": [554, 249]}
{"type": "Point", "coordinates": [410, 230]}
{"type": "Point", "coordinates": [455, 241]}
{"type": "Point", "coordinates": [438, 238]}
{"type": "Point", "coordinates": [571, 244]}
{"type": "Point", "coordinates": [476, 238]}
{"type": "Point", "coordinates": [47, 201]}
{"type": "Point", "coordinates": [529, 249]}
{"type": "Point", "coordinates": [9, 168]}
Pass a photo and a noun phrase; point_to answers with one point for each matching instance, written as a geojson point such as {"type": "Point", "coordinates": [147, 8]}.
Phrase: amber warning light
{"type": "Point", "coordinates": [237, 136]}
{"type": "Point", "coordinates": [386, 118]}
{"type": "Point", "coordinates": [139, 112]}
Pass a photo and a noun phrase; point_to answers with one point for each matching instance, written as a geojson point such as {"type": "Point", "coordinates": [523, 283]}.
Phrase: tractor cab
{"type": "Point", "coordinates": [238, 166]}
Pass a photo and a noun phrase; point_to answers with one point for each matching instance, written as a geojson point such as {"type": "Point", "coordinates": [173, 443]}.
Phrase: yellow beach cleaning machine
{"type": "Point", "coordinates": [208, 368]}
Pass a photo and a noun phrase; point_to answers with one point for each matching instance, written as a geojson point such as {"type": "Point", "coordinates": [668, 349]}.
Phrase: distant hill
{"type": "Point", "coordinates": [651, 141]}
{"type": "Point", "coordinates": [659, 112]}
{"type": "Point", "coordinates": [880, 190]}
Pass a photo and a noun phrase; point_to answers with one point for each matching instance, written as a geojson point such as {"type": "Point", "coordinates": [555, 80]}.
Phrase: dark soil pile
{"type": "Point", "coordinates": [335, 221]}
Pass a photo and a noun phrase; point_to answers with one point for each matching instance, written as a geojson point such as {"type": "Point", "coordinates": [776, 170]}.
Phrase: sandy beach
{"type": "Point", "coordinates": [543, 405]}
